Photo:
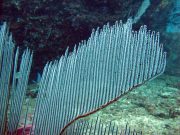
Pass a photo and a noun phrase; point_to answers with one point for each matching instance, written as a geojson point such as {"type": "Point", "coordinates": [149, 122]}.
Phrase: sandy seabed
{"type": "Point", "coordinates": [153, 108]}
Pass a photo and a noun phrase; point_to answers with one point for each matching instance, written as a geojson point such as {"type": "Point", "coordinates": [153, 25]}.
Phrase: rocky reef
{"type": "Point", "coordinates": [49, 26]}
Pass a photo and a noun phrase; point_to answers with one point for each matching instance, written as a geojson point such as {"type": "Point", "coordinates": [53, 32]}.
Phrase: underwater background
{"type": "Point", "coordinates": [48, 26]}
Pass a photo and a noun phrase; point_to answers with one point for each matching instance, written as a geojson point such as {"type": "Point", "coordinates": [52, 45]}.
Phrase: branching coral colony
{"type": "Point", "coordinates": [112, 62]}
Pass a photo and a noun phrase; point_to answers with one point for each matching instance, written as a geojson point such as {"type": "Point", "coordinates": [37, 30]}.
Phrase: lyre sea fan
{"type": "Point", "coordinates": [97, 127]}
{"type": "Point", "coordinates": [12, 93]}
{"type": "Point", "coordinates": [113, 61]}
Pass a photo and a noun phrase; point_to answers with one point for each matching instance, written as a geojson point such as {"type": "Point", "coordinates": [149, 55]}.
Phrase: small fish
{"type": "Point", "coordinates": [18, 75]}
